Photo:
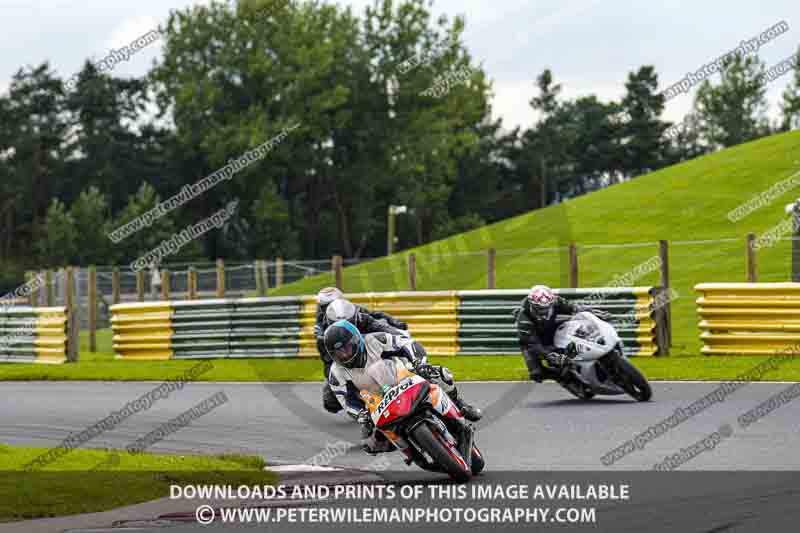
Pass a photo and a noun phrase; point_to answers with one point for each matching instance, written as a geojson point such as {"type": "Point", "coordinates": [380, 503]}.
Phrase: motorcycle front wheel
{"type": "Point", "coordinates": [631, 380]}
{"type": "Point", "coordinates": [447, 457]}
{"type": "Point", "coordinates": [478, 462]}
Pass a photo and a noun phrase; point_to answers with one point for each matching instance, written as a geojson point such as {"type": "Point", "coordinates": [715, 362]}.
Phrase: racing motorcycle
{"type": "Point", "coordinates": [421, 421]}
{"type": "Point", "coordinates": [593, 360]}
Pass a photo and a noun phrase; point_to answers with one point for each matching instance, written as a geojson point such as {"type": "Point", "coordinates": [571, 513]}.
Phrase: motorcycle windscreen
{"type": "Point", "coordinates": [383, 374]}
{"type": "Point", "coordinates": [580, 328]}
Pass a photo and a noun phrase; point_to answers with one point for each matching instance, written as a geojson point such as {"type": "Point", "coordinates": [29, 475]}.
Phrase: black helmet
{"type": "Point", "coordinates": [345, 345]}
{"type": "Point", "coordinates": [540, 302]}
{"type": "Point", "coordinates": [341, 309]}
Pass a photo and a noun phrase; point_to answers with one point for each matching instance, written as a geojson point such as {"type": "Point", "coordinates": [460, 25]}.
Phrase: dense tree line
{"type": "Point", "coordinates": [77, 163]}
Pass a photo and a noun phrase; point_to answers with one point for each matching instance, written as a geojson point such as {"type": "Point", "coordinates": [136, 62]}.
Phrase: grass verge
{"type": "Point", "coordinates": [87, 481]}
{"type": "Point", "coordinates": [102, 366]}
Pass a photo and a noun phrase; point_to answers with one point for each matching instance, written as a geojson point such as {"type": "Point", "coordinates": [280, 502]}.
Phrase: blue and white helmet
{"type": "Point", "coordinates": [345, 344]}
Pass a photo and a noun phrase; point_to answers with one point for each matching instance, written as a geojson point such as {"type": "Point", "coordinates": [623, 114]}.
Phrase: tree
{"type": "Point", "coordinates": [543, 142]}
{"type": "Point", "coordinates": [58, 243]}
{"type": "Point", "coordinates": [643, 130]}
{"type": "Point", "coordinates": [90, 214]}
{"type": "Point", "coordinates": [733, 112]}
{"type": "Point", "coordinates": [32, 129]}
{"type": "Point", "coordinates": [273, 235]}
{"type": "Point", "coordinates": [791, 99]}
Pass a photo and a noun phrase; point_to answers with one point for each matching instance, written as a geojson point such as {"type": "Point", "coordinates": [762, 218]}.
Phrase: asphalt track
{"type": "Point", "coordinates": [526, 427]}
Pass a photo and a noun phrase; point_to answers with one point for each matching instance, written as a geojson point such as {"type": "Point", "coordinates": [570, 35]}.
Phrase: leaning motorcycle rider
{"type": "Point", "coordinates": [536, 328]}
{"type": "Point", "coordinates": [353, 353]}
{"type": "Point", "coordinates": [367, 321]}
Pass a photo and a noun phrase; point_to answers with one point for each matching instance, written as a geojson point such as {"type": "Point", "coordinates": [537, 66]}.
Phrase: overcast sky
{"type": "Point", "coordinates": [589, 45]}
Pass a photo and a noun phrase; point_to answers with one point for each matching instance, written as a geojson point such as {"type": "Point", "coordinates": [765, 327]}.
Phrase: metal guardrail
{"type": "Point", "coordinates": [447, 323]}
{"type": "Point", "coordinates": [748, 318]}
{"type": "Point", "coordinates": [487, 326]}
{"type": "Point", "coordinates": [35, 335]}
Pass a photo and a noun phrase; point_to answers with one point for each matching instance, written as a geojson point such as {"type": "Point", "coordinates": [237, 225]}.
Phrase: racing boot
{"type": "Point", "coordinates": [473, 414]}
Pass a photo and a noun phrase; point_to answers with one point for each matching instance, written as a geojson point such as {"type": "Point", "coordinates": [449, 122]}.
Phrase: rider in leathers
{"type": "Point", "coordinates": [536, 327]}
{"type": "Point", "coordinates": [365, 320]}
{"type": "Point", "coordinates": [353, 353]}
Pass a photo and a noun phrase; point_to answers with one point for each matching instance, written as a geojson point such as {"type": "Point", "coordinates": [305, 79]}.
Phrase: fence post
{"type": "Point", "coordinates": [752, 271]}
{"type": "Point", "coordinates": [140, 285]}
{"type": "Point", "coordinates": [663, 254]}
{"type": "Point", "coordinates": [69, 297]}
{"type": "Point", "coordinates": [412, 272]}
{"type": "Point", "coordinates": [259, 280]}
{"type": "Point", "coordinates": [279, 272]}
{"type": "Point", "coordinates": [573, 265]}
{"type": "Point", "coordinates": [337, 271]}
{"type": "Point", "coordinates": [220, 278]}
{"type": "Point", "coordinates": [32, 298]}
{"type": "Point", "coordinates": [50, 288]}
{"type": "Point", "coordinates": [491, 268]}
{"type": "Point", "coordinates": [265, 273]}
{"type": "Point", "coordinates": [115, 286]}
{"type": "Point", "coordinates": [165, 277]}
{"type": "Point", "coordinates": [73, 335]}
{"type": "Point", "coordinates": [92, 304]}
{"type": "Point", "coordinates": [191, 283]}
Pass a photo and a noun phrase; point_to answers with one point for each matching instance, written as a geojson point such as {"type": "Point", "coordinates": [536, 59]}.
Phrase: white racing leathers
{"type": "Point", "coordinates": [347, 383]}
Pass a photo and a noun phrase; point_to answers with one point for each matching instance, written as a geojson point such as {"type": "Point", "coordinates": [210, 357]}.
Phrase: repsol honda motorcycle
{"type": "Point", "coordinates": [594, 361]}
{"type": "Point", "coordinates": [420, 420]}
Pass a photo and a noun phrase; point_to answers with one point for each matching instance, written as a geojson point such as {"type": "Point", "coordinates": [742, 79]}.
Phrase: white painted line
{"type": "Point", "coordinates": [302, 468]}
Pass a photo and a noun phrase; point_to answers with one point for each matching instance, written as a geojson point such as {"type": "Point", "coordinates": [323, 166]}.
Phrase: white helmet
{"type": "Point", "coordinates": [341, 309]}
{"type": "Point", "coordinates": [327, 295]}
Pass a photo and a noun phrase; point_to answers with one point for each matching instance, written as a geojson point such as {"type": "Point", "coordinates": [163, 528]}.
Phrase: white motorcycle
{"type": "Point", "coordinates": [594, 360]}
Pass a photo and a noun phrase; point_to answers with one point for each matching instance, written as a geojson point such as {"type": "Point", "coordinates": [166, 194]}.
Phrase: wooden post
{"type": "Point", "coordinates": [165, 284]}
{"type": "Point", "coordinates": [412, 272]}
{"type": "Point", "coordinates": [69, 298]}
{"type": "Point", "coordinates": [491, 265]}
{"type": "Point", "coordinates": [573, 265]}
{"type": "Point", "coordinates": [259, 279]}
{"type": "Point", "coordinates": [92, 303]}
{"type": "Point", "coordinates": [115, 286]}
{"type": "Point", "coordinates": [336, 262]}
{"type": "Point", "coordinates": [279, 272]}
{"type": "Point", "coordinates": [50, 288]}
{"type": "Point", "coordinates": [220, 278]}
{"type": "Point", "coordinates": [140, 285]}
{"type": "Point", "coordinates": [191, 283]}
{"type": "Point", "coordinates": [32, 298]}
{"type": "Point", "coordinates": [73, 335]}
{"type": "Point", "coordinates": [663, 254]}
{"type": "Point", "coordinates": [752, 270]}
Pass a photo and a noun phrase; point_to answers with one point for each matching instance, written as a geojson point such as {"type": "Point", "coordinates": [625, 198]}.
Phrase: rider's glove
{"type": "Point", "coordinates": [365, 419]}
{"type": "Point", "coordinates": [558, 359]}
{"type": "Point", "coordinates": [317, 330]}
{"type": "Point", "coordinates": [426, 371]}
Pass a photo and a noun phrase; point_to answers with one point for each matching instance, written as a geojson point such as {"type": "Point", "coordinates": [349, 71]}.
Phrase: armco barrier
{"type": "Point", "coordinates": [487, 327]}
{"type": "Point", "coordinates": [432, 317]}
{"type": "Point", "coordinates": [748, 318]}
{"type": "Point", "coordinates": [447, 323]}
{"type": "Point", "coordinates": [33, 334]}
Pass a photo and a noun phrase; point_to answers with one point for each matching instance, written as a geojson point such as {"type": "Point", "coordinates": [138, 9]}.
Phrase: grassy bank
{"type": "Point", "coordinates": [86, 481]}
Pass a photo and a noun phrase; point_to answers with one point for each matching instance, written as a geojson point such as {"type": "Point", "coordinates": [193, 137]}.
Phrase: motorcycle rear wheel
{"type": "Point", "coordinates": [430, 440]}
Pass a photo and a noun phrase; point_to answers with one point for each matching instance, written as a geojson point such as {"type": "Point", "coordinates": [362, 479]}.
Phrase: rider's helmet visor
{"type": "Point", "coordinates": [346, 354]}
